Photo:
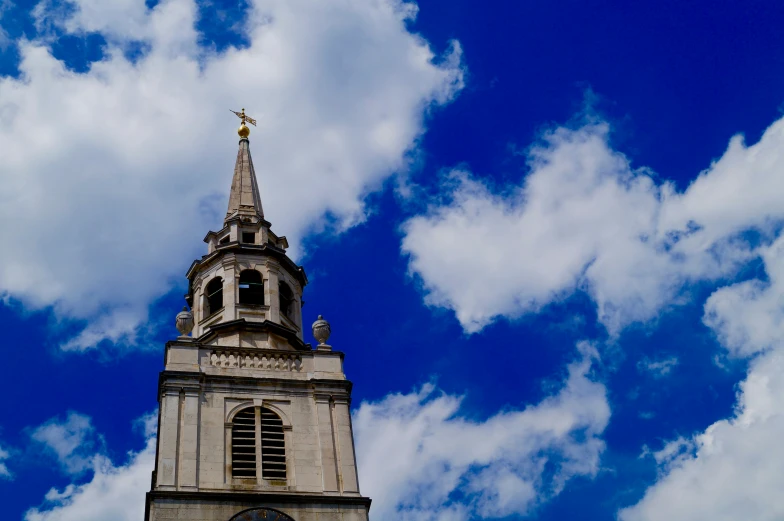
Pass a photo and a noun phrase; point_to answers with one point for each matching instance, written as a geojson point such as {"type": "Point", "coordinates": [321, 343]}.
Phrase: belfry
{"type": "Point", "coordinates": [253, 423]}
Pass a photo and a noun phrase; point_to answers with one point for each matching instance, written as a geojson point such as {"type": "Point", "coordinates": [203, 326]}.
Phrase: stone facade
{"type": "Point", "coordinates": [251, 356]}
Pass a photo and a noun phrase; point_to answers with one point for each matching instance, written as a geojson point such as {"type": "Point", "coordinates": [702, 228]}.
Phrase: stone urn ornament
{"type": "Point", "coordinates": [184, 322]}
{"type": "Point", "coordinates": [321, 332]}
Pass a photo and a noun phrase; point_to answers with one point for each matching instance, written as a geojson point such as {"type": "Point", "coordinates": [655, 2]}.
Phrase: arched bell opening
{"type": "Point", "coordinates": [213, 294]}
{"type": "Point", "coordinates": [251, 288]}
{"type": "Point", "coordinates": [287, 301]}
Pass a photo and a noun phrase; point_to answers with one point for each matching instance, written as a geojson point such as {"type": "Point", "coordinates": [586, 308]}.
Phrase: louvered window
{"type": "Point", "coordinates": [273, 448]}
{"type": "Point", "coordinates": [243, 444]}
{"type": "Point", "coordinates": [257, 433]}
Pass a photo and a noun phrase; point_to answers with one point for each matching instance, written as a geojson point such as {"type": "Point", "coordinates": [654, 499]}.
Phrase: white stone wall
{"type": "Point", "coordinates": [199, 401]}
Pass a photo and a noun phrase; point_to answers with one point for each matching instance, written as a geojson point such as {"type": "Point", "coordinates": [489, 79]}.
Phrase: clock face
{"type": "Point", "coordinates": [261, 514]}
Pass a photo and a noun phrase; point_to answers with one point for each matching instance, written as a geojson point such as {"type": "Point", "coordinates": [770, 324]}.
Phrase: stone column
{"type": "Point", "coordinates": [345, 446]}
{"type": "Point", "coordinates": [230, 289]}
{"type": "Point", "coordinates": [189, 440]}
{"type": "Point", "coordinates": [234, 232]}
{"type": "Point", "coordinates": [329, 470]}
{"type": "Point", "coordinates": [263, 235]}
{"type": "Point", "coordinates": [167, 444]}
{"type": "Point", "coordinates": [298, 310]}
{"type": "Point", "coordinates": [198, 305]}
{"type": "Point", "coordinates": [271, 292]}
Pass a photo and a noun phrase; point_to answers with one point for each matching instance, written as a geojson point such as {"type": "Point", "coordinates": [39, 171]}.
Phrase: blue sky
{"type": "Point", "coordinates": [546, 235]}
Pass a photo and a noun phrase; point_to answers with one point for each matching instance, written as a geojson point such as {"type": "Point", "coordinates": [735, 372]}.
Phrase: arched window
{"type": "Point", "coordinates": [257, 434]}
{"type": "Point", "coordinates": [214, 294]}
{"type": "Point", "coordinates": [286, 300]}
{"type": "Point", "coordinates": [261, 514]}
{"type": "Point", "coordinates": [251, 287]}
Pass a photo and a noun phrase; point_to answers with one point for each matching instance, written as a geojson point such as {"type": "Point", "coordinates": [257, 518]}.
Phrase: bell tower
{"type": "Point", "coordinates": [253, 423]}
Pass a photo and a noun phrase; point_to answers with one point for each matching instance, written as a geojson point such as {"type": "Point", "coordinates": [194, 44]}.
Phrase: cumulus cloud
{"type": "Point", "coordinates": [109, 174]}
{"type": "Point", "coordinates": [114, 492]}
{"type": "Point", "coordinates": [420, 458]}
{"type": "Point", "coordinates": [584, 219]}
{"type": "Point", "coordinates": [73, 441]}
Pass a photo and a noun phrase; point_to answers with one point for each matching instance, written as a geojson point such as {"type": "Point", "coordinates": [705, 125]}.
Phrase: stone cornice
{"type": "Point", "coordinates": [339, 390]}
{"type": "Point", "coordinates": [211, 234]}
{"type": "Point", "coordinates": [319, 385]}
{"type": "Point", "coordinates": [254, 498]}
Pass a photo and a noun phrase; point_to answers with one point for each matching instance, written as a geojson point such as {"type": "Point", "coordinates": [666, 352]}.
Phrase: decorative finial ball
{"type": "Point", "coordinates": [184, 321]}
{"type": "Point", "coordinates": [321, 330]}
{"type": "Point", "coordinates": [243, 131]}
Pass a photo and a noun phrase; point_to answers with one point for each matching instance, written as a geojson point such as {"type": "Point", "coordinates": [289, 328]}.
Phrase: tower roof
{"type": "Point", "coordinates": [244, 199]}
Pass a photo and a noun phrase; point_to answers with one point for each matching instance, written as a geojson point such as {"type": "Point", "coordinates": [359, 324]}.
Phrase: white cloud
{"type": "Point", "coordinates": [748, 317]}
{"type": "Point", "coordinates": [420, 458]}
{"type": "Point", "coordinates": [733, 469]}
{"type": "Point", "coordinates": [657, 368]}
{"type": "Point", "coordinates": [5, 39]}
{"type": "Point", "coordinates": [583, 218]}
{"type": "Point", "coordinates": [108, 175]}
{"type": "Point", "coordinates": [73, 442]}
{"type": "Point", "coordinates": [672, 453]}
{"type": "Point", "coordinates": [120, 20]}
{"type": "Point", "coordinates": [5, 473]}
{"type": "Point", "coordinates": [113, 492]}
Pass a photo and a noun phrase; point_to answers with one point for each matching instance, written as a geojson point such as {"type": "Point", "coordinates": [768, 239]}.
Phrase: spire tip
{"type": "Point", "coordinates": [244, 131]}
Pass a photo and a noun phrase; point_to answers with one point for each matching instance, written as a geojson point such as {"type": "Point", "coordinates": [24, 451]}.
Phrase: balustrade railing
{"type": "Point", "coordinates": [270, 361]}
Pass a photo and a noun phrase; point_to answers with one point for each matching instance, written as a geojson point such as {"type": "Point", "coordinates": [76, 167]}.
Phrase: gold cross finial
{"type": "Point", "coordinates": [244, 131]}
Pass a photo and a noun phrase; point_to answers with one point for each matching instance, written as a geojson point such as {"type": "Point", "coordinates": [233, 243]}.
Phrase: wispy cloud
{"type": "Point", "coordinates": [5, 473]}
{"type": "Point", "coordinates": [657, 368]}
{"type": "Point", "coordinates": [73, 442]}
{"type": "Point", "coordinates": [113, 492]}
{"type": "Point", "coordinates": [5, 39]}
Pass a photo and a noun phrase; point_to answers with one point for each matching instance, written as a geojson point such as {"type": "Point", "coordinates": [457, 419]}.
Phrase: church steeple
{"type": "Point", "coordinates": [246, 279]}
{"type": "Point", "coordinates": [244, 199]}
{"type": "Point", "coordinates": [253, 423]}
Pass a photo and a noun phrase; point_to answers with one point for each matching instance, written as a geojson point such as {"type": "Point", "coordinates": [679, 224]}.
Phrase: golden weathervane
{"type": "Point", "coordinates": [244, 131]}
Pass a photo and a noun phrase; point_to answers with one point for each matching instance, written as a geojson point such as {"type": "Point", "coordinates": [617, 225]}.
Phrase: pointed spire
{"type": "Point", "coordinates": [244, 199]}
